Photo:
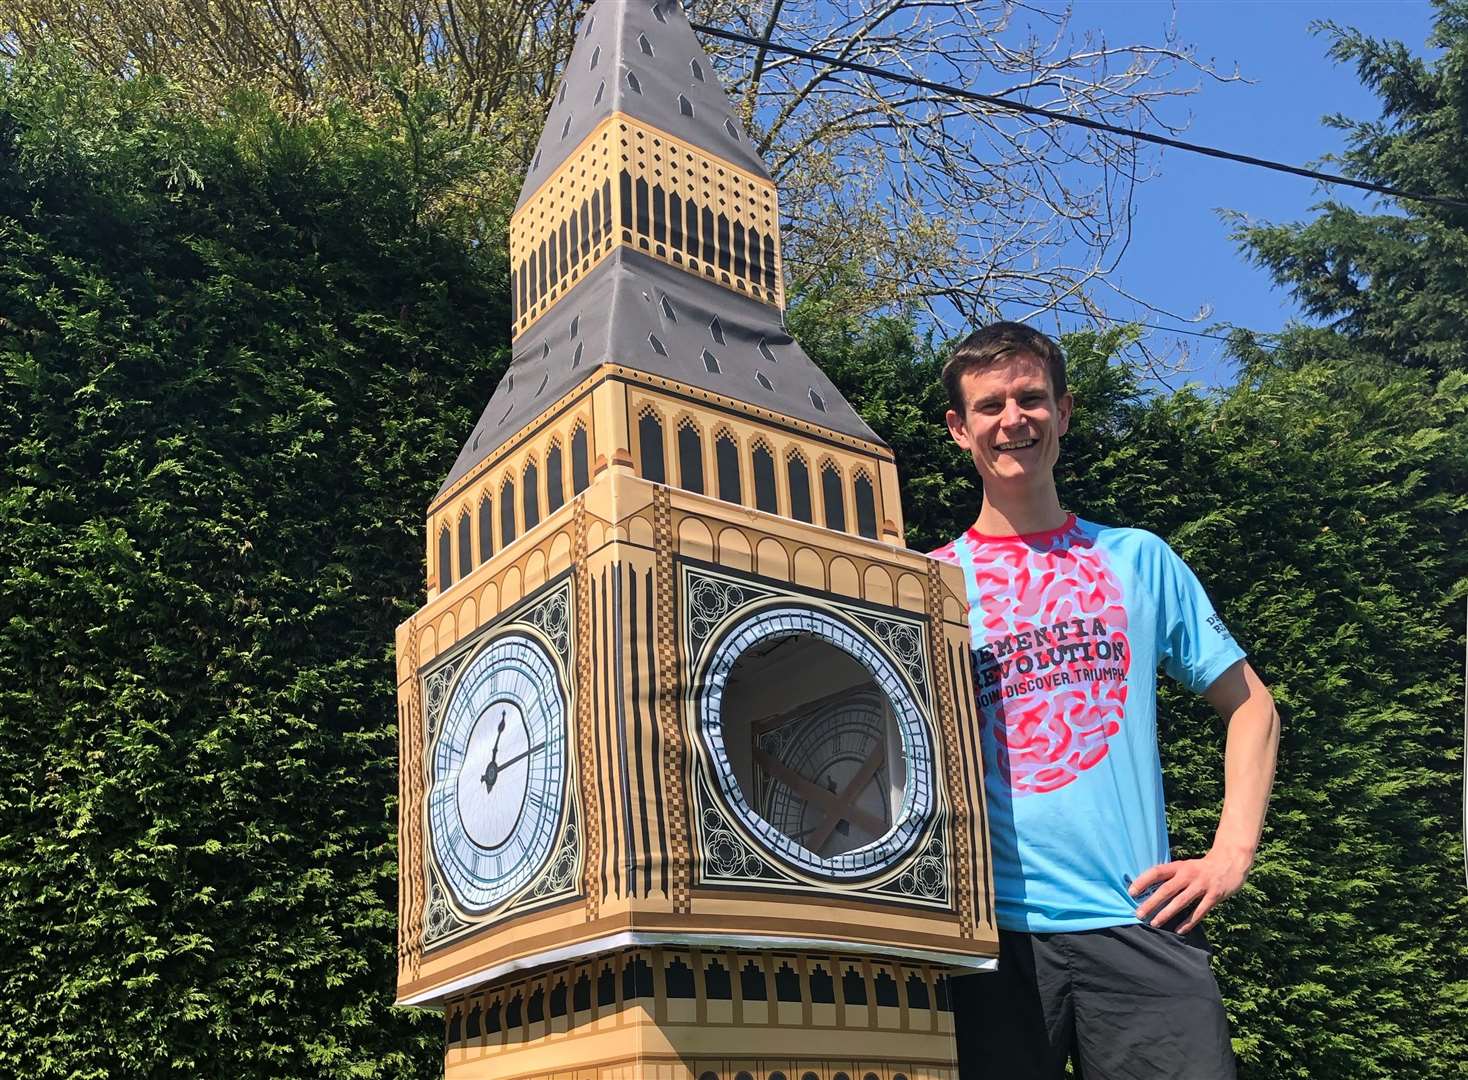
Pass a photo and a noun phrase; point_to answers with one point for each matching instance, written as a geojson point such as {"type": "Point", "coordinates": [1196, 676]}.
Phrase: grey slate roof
{"type": "Point", "coordinates": [641, 312]}
{"type": "Point", "coordinates": [638, 57]}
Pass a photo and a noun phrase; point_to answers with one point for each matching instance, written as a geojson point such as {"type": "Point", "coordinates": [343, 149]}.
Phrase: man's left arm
{"type": "Point", "coordinates": [1248, 774]}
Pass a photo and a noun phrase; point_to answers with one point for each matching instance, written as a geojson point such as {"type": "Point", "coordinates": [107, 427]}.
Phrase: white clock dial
{"type": "Point", "coordinates": [498, 783]}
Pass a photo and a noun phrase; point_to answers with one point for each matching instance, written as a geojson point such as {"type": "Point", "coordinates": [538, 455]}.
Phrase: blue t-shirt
{"type": "Point", "coordinates": [1069, 628]}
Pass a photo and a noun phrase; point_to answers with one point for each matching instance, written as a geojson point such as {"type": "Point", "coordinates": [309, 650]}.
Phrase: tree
{"type": "Point", "coordinates": [942, 203]}
{"type": "Point", "coordinates": [1392, 282]}
{"type": "Point", "coordinates": [236, 358]}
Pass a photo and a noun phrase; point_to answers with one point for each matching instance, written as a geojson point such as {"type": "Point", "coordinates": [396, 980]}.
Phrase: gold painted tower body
{"type": "Point", "coordinates": [690, 777]}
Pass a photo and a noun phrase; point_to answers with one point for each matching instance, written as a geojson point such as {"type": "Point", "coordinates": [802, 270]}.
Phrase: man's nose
{"type": "Point", "coordinates": [1012, 414]}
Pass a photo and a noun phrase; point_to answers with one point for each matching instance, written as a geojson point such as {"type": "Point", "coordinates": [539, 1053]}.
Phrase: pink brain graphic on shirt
{"type": "Point", "coordinates": [1051, 671]}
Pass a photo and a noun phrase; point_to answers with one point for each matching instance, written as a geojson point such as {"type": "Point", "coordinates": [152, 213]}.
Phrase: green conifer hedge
{"type": "Point", "coordinates": [236, 354]}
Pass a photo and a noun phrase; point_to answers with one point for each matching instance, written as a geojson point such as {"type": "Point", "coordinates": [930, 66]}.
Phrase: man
{"type": "Point", "coordinates": [1100, 955]}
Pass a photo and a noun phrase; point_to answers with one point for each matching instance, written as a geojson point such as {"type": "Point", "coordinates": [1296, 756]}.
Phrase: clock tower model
{"type": "Point", "coordinates": [690, 776]}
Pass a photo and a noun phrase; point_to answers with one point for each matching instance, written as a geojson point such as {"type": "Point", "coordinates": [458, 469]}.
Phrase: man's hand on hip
{"type": "Point", "coordinates": [1184, 883]}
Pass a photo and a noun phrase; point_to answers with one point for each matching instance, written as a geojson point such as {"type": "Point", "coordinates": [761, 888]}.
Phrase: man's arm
{"type": "Point", "coordinates": [1248, 773]}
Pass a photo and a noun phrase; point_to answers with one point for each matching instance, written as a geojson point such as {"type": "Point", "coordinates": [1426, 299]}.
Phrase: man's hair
{"type": "Point", "coordinates": [992, 345]}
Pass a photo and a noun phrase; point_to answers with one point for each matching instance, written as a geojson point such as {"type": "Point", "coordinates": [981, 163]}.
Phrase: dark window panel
{"type": "Point", "coordinates": [752, 982]}
{"type": "Point", "coordinates": [690, 459]}
{"type": "Point", "coordinates": [866, 507]}
{"type": "Point", "coordinates": [466, 547]}
{"type": "Point", "coordinates": [764, 481]}
{"type": "Point", "coordinates": [486, 528]}
{"type": "Point", "coordinates": [853, 987]}
{"type": "Point", "coordinates": [754, 256]}
{"type": "Point", "coordinates": [787, 983]}
{"type": "Point", "coordinates": [886, 989]}
{"type": "Point", "coordinates": [530, 491]}
{"type": "Point", "coordinates": [707, 235]}
{"type": "Point", "coordinates": [650, 439]}
{"type": "Point", "coordinates": [822, 986]}
{"type": "Point", "coordinates": [716, 983]}
{"type": "Point", "coordinates": [626, 183]}
{"type": "Point", "coordinates": [834, 499]}
{"type": "Point", "coordinates": [679, 979]}
{"type": "Point", "coordinates": [799, 476]}
{"type": "Point", "coordinates": [445, 559]}
{"type": "Point", "coordinates": [741, 264]}
{"type": "Point", "coordinates": [507, 515]}
{"type": "Point", "coordinates": [555, 495]}
{"type": "Point", "coordinates": [724, 244]}
{"type": "Point", "coordinates": [726, 460]}
{"type": "Point", "coordinates": [580, 465]}
{"type": "Point", "coordinates": [675, 221]}
{"type": "Point", "coordinates": [770, 263]}
{"type": "Point", "coordinates": [659, 214]}
{"type": "Point", "coordinates": [642, 222]}
{"type": "Point", "coordinates": [690, 219]}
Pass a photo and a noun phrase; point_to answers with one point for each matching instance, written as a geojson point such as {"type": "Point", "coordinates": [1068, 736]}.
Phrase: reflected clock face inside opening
{"type": "Point", "coordinates": [819, 746]}
{"type": "Point", "coordinates": [498, 781]}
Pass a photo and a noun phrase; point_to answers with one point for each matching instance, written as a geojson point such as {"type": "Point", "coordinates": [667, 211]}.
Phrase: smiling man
{"type": "Point", "coordinates": [1102, 959]}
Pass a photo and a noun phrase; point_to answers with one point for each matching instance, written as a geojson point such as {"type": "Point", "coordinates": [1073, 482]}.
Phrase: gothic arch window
{"type": "Point", "coordinates": [798, 473]}
{"type": "Point", "coordinates": [555, 491]}
{"type": "Point", "coordinates": [726, 465]}
{"type": "Point", "coordinates": [466, 548]}
{"type": "Point", "coordinates": [530, 492]}
{"type": "Point", "coordinates": [445, 559]}
{"type": "Point", "coordinates": [580, 465]}
{"type": "Point", "coordinates": [866, 505]}
{"type": "Point", "coordinates": [486, 527]}
{"type": "Point", "coordinates": [507, 513]}
{"type": "Point", "coordinates": [765, 497]}
{"type": "Point", "coordinates": [833, 497]}
{"type": "Point", "coordinates": [650, 444]}
{"type": "Point", "coordinates": [690, 457]}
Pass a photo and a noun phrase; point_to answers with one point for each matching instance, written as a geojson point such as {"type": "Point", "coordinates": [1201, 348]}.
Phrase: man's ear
{"type": "Point", "coordinates": [955, 428]}
{"type": "Point", "coordinates": [1063, 409]}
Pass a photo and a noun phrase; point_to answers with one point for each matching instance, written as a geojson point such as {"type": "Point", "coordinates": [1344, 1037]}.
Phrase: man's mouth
{"type": "Point", "coordinates": [1016, 444]}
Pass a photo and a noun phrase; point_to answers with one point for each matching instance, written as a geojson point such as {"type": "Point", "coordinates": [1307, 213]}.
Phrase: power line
{"type": "Point", "coordinates": [1082, 121]}
{"type": "Point", "coordinates": [1164, 329]}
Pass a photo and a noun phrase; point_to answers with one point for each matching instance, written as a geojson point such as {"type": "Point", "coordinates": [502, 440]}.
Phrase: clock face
{"type": "Point", "coordinates": [498, 773]}
{"type": "Point", "coordinates": [818, 745]}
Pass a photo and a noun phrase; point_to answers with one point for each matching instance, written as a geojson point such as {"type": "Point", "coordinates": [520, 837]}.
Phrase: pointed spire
{"type": "Point", "coordinates": [640, 59]}
{"type": "Point", "coordinates": [648, 236]}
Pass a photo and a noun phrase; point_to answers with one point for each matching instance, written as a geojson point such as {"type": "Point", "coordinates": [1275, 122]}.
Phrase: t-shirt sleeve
{"type": "Point", "coordinates": [1195, 647]}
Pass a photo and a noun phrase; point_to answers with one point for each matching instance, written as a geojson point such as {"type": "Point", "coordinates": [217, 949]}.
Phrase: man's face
{"type": "Point", "coordinates": [1011, 424]}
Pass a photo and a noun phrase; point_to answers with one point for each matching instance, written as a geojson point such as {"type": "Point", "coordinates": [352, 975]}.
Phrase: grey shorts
{"type": "Point", "coordinates": [1122, 1003]}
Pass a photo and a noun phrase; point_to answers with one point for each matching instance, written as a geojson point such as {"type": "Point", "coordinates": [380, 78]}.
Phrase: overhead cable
{"type": "Point", "coordinates": [1121, 320]}
{"type": "Point", "coordinates": [1082, 121]}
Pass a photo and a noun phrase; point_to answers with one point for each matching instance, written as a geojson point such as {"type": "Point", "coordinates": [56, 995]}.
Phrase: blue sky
{"type": "Point", "coordinates": [1181, 258]}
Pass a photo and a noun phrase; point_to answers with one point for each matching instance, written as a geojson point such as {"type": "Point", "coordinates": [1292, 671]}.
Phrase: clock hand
{"type": "Point", "coordinates": [499, 734]}
{"type": "Point", "coordinates": [522, 754]}
{"type": "Point", "coordinates": [492, 771]}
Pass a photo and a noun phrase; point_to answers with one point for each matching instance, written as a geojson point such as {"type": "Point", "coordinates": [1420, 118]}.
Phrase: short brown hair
{"type": "Point", "coordinates": [995, 343]}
